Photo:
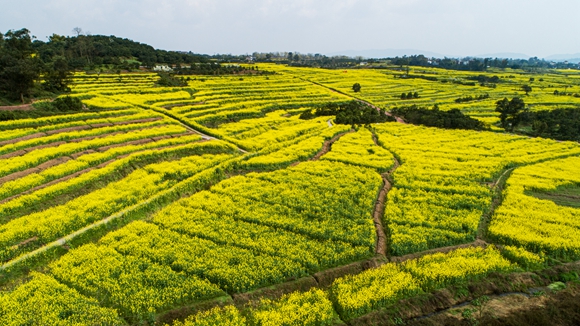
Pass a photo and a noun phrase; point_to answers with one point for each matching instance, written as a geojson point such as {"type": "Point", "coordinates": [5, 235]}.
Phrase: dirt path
{"type": "Point", "coordinates": [381, 245]}
{"type": "Point", "coordinates": [327, 145]}
{"type": "Point", "coordinates": [497, 188]}
{"type": "Point", "coordinates": [23, 107]}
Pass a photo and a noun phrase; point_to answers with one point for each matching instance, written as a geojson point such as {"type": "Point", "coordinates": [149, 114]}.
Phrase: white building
{"type": "Point", "coordinates": [164, 68]}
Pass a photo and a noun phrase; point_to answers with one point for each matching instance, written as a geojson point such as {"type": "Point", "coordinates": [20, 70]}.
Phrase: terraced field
{"type": "Point", "coordinates": [214, 204]}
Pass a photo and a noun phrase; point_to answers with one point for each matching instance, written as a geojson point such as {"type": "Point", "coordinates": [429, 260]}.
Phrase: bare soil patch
{"type": "Point", "coordinates": [23, 107]}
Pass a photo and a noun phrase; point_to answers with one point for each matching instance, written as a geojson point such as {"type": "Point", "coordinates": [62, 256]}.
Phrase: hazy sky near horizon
{"type": "Point", "coordinates": [450, 27]}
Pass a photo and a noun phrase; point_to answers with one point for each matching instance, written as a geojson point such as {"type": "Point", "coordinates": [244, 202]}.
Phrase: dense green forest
{"type": "Point", "coordinates": [95, 50]}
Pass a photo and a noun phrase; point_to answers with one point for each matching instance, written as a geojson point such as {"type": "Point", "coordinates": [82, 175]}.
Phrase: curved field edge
{"type": "Point", "coordinates": [354, 268]}
{"type": "Point", "coordinates": [92, 233]}
{"type": "Point", "coordinates": [406, 308]}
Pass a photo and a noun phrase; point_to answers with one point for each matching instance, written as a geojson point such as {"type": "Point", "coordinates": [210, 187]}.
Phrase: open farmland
{"type": "Point", "coordinates": [215, 204]}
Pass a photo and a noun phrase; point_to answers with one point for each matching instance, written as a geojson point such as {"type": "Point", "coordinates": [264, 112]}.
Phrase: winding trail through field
{"type": "Point", "coordinates": [380, 204]}
{"type": "Point", "coordinates": [381, 246]}
{"type": "Point", "coordinates": [399, 120]}
{"type": "Point", "coordinates": [497, 187]}
{"type": "Point", "coordinates": [328, 145]}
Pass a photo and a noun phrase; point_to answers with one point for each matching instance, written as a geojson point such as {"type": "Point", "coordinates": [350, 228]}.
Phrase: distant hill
{"type": "Point", "coordinates": [575, 58]}
{"type": "Point", "coordinates": [386, 53]}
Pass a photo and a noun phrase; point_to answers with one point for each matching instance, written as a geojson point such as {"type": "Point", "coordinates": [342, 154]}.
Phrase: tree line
{"type": "Point", "coordinates": [560, 124]}
{"type": "Point", "coordinates": [90, 51]}
{"type": "Point", "coordinates": [348, 113]}
{"type": "Point", "coordinates": [452, 119]}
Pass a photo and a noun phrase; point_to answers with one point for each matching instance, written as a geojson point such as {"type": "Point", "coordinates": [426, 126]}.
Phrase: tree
{"type": "Point", "coordinates": [511, 112]}
{"type": "Point", "coordinates": [356, 87]}
{"type": "Point", "coordinates": [78, 31]}
{"type": "Point", "coordinates": [527, 89]}
{"type": "Point", "coordinates": [57, 75]}
{"type": "Point", "coordinates": [19, 65]}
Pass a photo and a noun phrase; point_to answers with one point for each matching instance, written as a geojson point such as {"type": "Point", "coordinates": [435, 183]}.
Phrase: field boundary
{"type": "Point", "coordinates": [89, 169]}
{"type": "Point", "coordinates": [186, 185]}
{"type": "Point", "coordinates": [327, 146]}
{"type": "Point", "coordinates": [399, 120]}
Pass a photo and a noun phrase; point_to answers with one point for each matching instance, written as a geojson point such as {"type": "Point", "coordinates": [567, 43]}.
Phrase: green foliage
{"type": "Point", "coordinates": [452, 119]}
{"type": "Point", "coordinates": [557, 286]}
{"type": "Point", "coordinates": [307, 115]}
{"type": "Point", "coordinates": [560, 124]}
{"type": "Point", "coordinates": [84, 51]}
{"type": "Point", "coordinates": [470, 98]}
{"type": "Point", "coordinates": [7, 115]}
{"type": "Point", "coordinates": [167, 80]}
{"type": "Point", "coordinates": [349, 113]}
{"type": "Point", "coordinates": [57, 75]}
{"type": "Point", "coordinates": [409, 96]}
{"type": "Point", "coordinates": [356, 87]}
{"type": "Point", "coordinates": [215, 68]}
{"type": "Point", "coordinates": [67, 103]}
{"type": "Point", "coordinates": [19, 68]}
{"type": "Point", "coordinates": [511, 112]}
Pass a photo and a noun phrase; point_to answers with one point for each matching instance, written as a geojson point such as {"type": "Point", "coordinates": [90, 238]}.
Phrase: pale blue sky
{"type": "Point", "coordinates": [451, 27]}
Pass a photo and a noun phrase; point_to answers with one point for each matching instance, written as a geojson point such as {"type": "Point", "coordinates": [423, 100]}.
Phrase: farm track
{"type": "Point", "coordinates": [399, 120]}
{"type": "Point", "coordinates": [381, 246]}
{"type": "Point", "coordinates": [23, 107]}
{"type": "Point", "coordinates": [182, 123]}
{"type": "Point", "coordinates": [497, 188]}
{"type": "Point", "coordinates": [328, 145]}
